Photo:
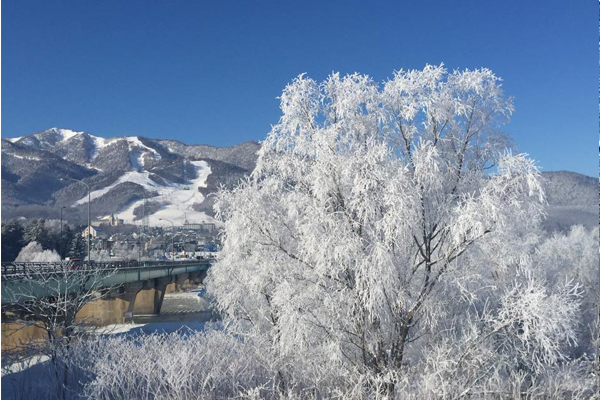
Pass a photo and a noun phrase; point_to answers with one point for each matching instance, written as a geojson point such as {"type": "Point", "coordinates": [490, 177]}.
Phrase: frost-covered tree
{"type": "Point", "coordinates": [34, 252]}
{"type": "Point", "coordinates": [101, 255]}
{"type": "Point", "coordinates": [384, 243]}
{"type": "Point", "coordinates": [574, 256]}
{"type": "Point", "coordinates": [126, 251]}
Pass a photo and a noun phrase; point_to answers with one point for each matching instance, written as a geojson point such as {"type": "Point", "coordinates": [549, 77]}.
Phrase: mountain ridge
{"type": "Point", "coordinates": [124, 172]}
{"type": "Point", "coordinates": [140, 167]}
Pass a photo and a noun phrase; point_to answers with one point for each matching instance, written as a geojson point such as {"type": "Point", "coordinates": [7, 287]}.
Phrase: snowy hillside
{"type": "Point", "coordinates": [124, 173]}
{"type": "Point", "coordinates": [572, 199]}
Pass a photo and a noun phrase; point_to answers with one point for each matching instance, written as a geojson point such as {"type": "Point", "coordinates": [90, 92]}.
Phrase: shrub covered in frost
{"type": "Point", "coordinates": [33, 252]}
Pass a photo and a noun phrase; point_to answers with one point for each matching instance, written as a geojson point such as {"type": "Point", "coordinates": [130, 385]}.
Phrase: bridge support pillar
{"type": "Point", "coordinates": [19, 333]}
{"type": "Point", "coordinates": [161, 289]}
{"type": "Point", "coordinates": [149, 300]}
{"type": "Point", "coordinates": [114, 308]}
{"type": "Point", "coordinates": [128, 296]}
{"type": "Point", "coordinates": [177, 284]}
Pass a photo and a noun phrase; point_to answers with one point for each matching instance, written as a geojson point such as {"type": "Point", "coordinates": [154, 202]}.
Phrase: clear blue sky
{"type": "Point", "coordinates": [210, 72]}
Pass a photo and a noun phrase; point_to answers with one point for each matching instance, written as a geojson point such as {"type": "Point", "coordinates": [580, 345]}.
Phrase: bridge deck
{"type": "Point", "coordinates": [24, 281]}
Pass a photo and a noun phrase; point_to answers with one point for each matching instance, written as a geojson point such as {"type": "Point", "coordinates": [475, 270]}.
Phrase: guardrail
{"type": "Point", "coordinates": [15, 269]}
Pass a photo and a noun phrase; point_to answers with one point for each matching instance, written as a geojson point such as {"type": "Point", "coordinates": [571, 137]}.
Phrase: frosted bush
{"type": "Point", "coordinates": [101, 255]}
{"type": "Point", "coordinates": [34, 252]}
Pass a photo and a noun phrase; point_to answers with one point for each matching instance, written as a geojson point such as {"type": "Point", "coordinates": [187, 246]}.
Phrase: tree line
{"type": "Point", "coordinates": [18, 234]}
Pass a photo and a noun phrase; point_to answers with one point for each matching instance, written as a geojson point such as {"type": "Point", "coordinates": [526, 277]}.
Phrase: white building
{"type": "Point", "coordinates": [111, 220]}
{"type": "Point", "coordinates": [94, 231]}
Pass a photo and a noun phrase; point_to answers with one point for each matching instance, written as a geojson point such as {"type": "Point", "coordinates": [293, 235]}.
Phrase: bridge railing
{"type": "Point", "coordinates": [15, 269]}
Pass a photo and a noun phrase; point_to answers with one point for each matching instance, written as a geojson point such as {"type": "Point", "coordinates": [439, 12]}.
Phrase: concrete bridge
{"type": "Point", "coordinates": [125, 289]}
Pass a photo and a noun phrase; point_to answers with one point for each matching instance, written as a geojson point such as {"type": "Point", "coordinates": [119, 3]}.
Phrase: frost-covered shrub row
{"type": "Point", "coordinates": [216, 364]}
{"type": "Point", "coordinates": [175, 366]}
{"type": "Point", "coordinates": [181, 365]}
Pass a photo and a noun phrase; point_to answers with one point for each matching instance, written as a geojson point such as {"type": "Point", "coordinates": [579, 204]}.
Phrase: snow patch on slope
{"type": "Point", "coordinates": [66, 134]}
{"type": "Point", "coordinates": [135, 147]}
{"type": "Point", "coordinates": [141, 178]}
{"type": "Point", "coordinates": [99, 143]}
{"type": "Point", "coordinates": [136, 158]}
{"type": "Point", "coordinates": [138, 151]}
{"type": "Point", "coordinates": [134, 141]}
{"type": "Point", "coordinates": [23, 157]}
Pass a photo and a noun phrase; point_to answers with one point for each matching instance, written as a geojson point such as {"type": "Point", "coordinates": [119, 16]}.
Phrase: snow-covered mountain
{"type": "Point", "coordinates": [166, 178]}
{"type": "Point", "coordinates": [171, 180]}
{"type": "Point", "coordinates": [572, 199]}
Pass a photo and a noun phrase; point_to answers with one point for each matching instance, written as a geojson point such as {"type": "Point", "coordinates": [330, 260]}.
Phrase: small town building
{"type": "Point", "coordinates": [204, 227]}
{"type": "Point", "coordinates": [93, 231]}
{"type": "Point", "coordinates": [110, 220]}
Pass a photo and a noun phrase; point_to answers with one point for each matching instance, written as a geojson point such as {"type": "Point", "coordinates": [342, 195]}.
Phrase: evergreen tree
{"type": "Point", "coordinates": [65, 241]}
{"type": "Point", "coordinates": [12, 240]}
{"type": "Point", "coordinates": [77, 247]}
{"type": "Point", "coordinates": [36, 231]}
{"type": "Point", "coordinates": [54, 240]}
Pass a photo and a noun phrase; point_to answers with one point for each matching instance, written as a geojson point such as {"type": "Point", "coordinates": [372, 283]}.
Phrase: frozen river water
{"type": "Point", "coordinates": [189, 309]}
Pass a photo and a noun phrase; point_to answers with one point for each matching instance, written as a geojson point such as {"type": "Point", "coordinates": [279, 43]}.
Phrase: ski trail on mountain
{"type": "Point", "coordinates": [176, 200]}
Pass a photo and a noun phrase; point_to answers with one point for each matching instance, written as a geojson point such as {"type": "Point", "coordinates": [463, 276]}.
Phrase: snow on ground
{"type": "Point", "coordinates": [136, 158]}
{"type": "Point", "coordinates": [138, 150]}
{"type": "Point", "coordinates": [115, 329]}
{"type": "Point", "coordinates": [135, 142]}
{"type": "Point", "coordinates": [150, 328]}
{"type": "Point", "coordinates": [23, 365]}
{"type": "Point", "coordinates": [167, 321]}
{"type": "Point", "coordinates": [176, 199]}
{"type": "Point", "coordinates": [186, 295]}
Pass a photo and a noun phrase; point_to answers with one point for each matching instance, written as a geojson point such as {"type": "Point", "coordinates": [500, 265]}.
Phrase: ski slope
{"type": "Point", "coordinates": [176, 200]}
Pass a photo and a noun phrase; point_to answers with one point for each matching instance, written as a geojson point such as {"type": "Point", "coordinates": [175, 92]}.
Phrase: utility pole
{"type": "Point", "coordinates": [61, 231]}
{"type": "Point", "coordinates": [145, 223]}
{"type": "Point", "coordinates": [172, 238]}
{"type": "Point", "coordinates": [139, 243]}
{"type": "Point", "coordinates": [89, 231]}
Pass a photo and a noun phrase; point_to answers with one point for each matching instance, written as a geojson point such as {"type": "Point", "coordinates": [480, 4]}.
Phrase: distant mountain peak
{"type": "Point", "coordinates": [121, 171]}
{"type": "Point", "coordinates": [65, 133]}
